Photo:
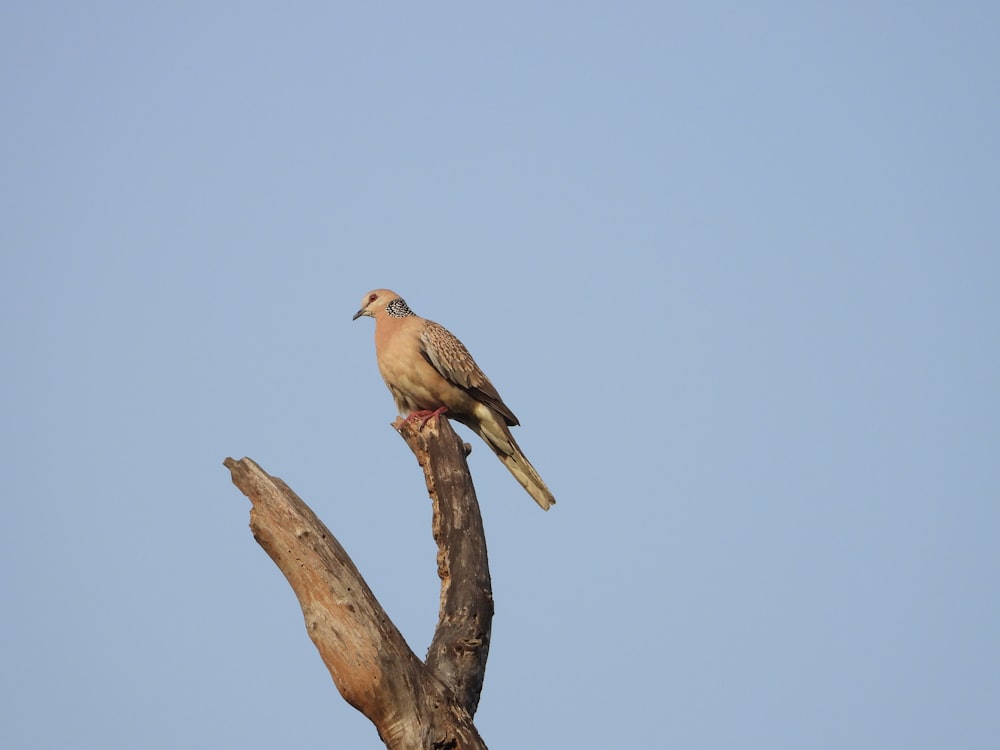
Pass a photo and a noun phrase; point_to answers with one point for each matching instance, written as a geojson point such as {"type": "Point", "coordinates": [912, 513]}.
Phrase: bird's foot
{"type": "Point", "coordinates": [425, 415]}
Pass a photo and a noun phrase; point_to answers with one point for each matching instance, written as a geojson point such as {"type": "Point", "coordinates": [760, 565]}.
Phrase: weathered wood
{"type": "Point", "coordinates": [413, 705]}
{"type": "Point", "coordinates": [461, 642]}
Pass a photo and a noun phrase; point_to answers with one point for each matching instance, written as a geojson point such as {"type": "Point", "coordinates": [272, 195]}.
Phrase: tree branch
{"type": "Point", "coordinates": [412, 705]}
{"type": "Point", "coordinates": [461, 643]}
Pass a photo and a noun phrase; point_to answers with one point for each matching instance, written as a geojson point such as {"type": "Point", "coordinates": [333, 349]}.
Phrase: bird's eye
{"type": "Point", "coordinates": [373, 298]}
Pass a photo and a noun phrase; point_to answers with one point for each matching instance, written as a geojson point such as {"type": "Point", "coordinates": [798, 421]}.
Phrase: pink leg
{"type": "Point", "coordinates": [425, 415]}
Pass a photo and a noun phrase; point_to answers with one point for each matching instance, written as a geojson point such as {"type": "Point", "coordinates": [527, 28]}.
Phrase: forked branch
{"type": "Point", "coordinates": [413, 704]}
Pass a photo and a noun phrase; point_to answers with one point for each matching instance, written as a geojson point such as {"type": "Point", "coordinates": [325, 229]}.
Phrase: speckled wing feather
{"type": "Point", "coordinates": [452, 360]}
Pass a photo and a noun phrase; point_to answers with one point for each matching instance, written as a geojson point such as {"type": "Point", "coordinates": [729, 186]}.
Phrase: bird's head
{"type": "Point", "coordinates": [381, 302]}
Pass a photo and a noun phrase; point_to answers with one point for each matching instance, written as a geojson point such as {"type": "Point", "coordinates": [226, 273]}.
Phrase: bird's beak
{"type": "Point", "coordinates": [359, 313]}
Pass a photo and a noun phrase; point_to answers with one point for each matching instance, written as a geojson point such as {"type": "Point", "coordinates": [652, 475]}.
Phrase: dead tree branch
{"type": "Point", "coordinates": [414, 705]}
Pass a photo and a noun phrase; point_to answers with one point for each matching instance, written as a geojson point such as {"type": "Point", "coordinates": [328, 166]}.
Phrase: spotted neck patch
{"type": "Point", "coordinates": [397, 308]}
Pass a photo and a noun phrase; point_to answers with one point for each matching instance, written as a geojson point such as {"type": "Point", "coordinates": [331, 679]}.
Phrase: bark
{"type": "Point", "coordinates": [413, 704]}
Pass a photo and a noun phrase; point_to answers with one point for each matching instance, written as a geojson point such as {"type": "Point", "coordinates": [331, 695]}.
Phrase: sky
{"type": "Point", "coordinates": [736, 268]}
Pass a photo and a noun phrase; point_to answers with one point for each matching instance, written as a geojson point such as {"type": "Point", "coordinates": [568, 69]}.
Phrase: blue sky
{"type": "Point", "coordinates": [734, 267]}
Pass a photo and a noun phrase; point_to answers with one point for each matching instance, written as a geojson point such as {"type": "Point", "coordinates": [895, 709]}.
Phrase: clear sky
{"type": "Point", "coordinates": [735, 266]}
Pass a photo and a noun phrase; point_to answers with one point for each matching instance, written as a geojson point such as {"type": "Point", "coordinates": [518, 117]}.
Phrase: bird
{"type": "Point", "coordinates": [430, 372]}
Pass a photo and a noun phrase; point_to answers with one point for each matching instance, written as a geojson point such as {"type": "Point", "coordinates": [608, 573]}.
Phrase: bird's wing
{"type": "Point", "coordinates": [452, 360]}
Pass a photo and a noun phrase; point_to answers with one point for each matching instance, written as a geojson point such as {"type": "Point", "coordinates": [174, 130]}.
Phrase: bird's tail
{"type": "Point", "coordinates": [498, 437]}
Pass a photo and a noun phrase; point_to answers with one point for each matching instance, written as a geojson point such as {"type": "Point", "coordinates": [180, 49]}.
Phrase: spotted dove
{"type": "Point", "coordinates": [429, 371]}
